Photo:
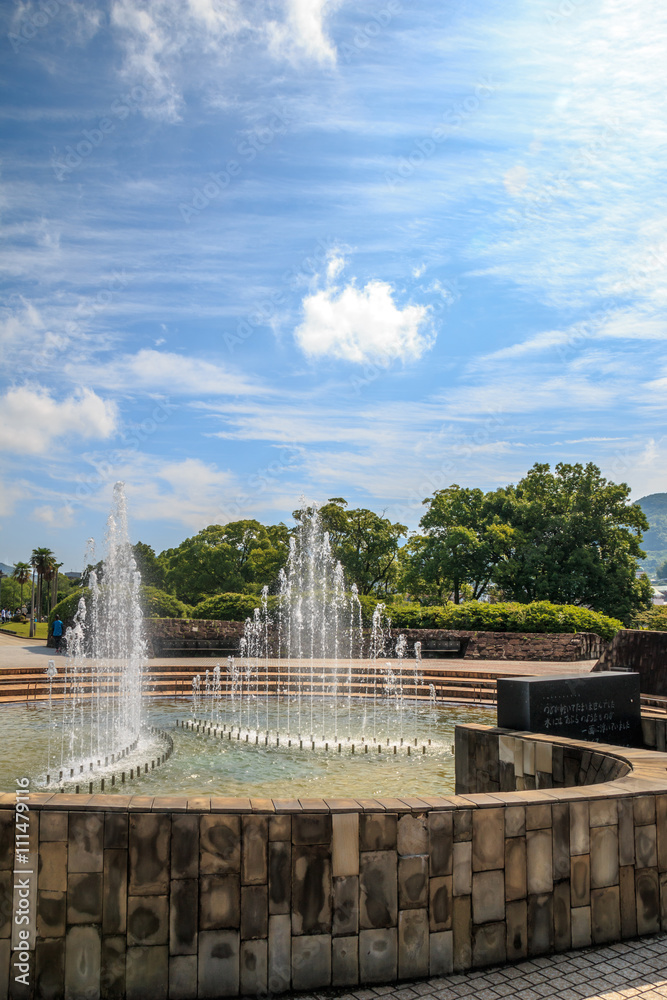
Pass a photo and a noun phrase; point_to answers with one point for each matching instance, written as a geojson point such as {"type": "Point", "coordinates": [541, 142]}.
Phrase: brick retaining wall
{"type": "Point", "coordinates": [481, 645]}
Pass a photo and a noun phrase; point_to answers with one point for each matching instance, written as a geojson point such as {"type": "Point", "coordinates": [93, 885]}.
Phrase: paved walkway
{"type": "Point", "coordinates": [620, 971]}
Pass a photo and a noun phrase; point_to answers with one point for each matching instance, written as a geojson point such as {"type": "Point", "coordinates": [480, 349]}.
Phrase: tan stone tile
{"type": "Point", "coordinates": [413, 944]}
{"type": "Point", "coordinates": [488, 841]}
{"type": "Point", "coordinates": [539, 861]}
{"type": "Point", "coordinates": [579, 827]}
{"type": "Point", "coordinates": [604, 856]}
{"type": "Point", "coordinates": [488, 897]}
{"type": "Point", "coordinates": [462, 882]}
{"type": "Point", "coordinates": [345, 844]}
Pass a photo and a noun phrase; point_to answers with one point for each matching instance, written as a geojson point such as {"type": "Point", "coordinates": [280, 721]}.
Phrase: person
{"type": "Point", "coordinates": [57, 632]}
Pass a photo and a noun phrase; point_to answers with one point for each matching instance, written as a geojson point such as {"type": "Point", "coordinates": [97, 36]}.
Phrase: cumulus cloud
{"type": "Point", "coordinates": [33, 420]}
{"type": "Point", "coordinates": [362, 324]}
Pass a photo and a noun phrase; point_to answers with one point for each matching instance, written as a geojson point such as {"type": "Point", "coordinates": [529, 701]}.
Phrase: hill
{"type": "Point", "coordinates": [5, 569]}
{"type": "Point", "coordinates": [655, 540]}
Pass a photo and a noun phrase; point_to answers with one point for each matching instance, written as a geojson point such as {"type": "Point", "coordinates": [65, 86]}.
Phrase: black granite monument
{"type": "Point", "coordinates": [597, 707]}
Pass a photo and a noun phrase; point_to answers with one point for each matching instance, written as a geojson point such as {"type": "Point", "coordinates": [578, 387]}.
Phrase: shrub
{"type": "Point", "coordinates": [541, 616]}
{"type": "Point", "coordinates": [231, 607]}
{"type": "Point", "coordinates": [158, 604]}
{"type": "Point", "coordinates": [67, 608]}
{"type": "Point", "coordinates": [654, 618]}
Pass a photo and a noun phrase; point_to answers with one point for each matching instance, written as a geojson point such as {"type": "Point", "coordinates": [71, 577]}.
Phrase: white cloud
{"type": "Point", "coordinates": [32, 420]}
{"type": "Point", "coordinates": [303, 33]}
{"type": "Point", "coordinates": [163, 371]}
{"type": "Point", "coordinates": [362, 324]}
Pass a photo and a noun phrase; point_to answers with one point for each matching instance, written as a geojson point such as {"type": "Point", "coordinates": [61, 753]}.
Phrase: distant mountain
{"type": "Point", "coordinates": [655, 540]}
{"type": "Point", "coordinates": [6, 570]}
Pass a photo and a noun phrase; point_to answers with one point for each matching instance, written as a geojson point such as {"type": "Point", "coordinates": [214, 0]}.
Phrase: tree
{"type": "Point", "coordinates": [365, 543]}
{"type": "Point", "coordinates": [466, 537]}
{"type": "Point", "coordinates": [241, 556]}
{"type": "Point", "coordinates": [576, 540]}
{"type": "Point", "coordinates": [43, 561]}
{"type": "Point", "coordinates": [150, 570]}
{"type": "Point", "coordinates": [21, 574]}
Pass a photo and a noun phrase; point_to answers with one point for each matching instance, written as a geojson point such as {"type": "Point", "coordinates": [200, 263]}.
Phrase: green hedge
{"type": "Point", "coordinates": [231, 607]}
{"type": "Point", "coordinates": [654, 618]}
{"type": "Point", "coordinates": [67, 608]}
{"type": "Point", "coordinates": [155, 604]}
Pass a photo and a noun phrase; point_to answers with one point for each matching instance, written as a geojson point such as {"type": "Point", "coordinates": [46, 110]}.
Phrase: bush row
{"type": "Point", "coordinates": [654, 618]}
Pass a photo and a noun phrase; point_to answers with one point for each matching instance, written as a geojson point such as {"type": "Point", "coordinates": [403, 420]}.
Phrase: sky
{"type": "Point", "coordinates": [255, 250]}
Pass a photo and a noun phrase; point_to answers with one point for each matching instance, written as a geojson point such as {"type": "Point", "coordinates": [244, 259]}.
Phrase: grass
{"type": "Point", "coordinates": [23, 629]}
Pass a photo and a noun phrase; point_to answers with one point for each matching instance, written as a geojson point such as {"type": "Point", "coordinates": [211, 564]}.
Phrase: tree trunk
{"type": "Point", "coordinates": [457, 592]}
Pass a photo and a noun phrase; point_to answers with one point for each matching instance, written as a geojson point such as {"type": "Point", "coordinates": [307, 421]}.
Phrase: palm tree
{"type": "Point", "coordinates": [42, 560]}
{"type": "Point", "coordinates": [21, 574]}
{"type": "Point", "coordinates": [51, 575]}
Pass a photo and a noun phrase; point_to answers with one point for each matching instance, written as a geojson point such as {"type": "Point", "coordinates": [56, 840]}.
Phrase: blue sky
{"type": "Point", "coordinates": [254, 250]}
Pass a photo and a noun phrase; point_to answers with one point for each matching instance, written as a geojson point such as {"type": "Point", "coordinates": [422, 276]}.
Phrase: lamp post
{"type": "Point", "coordinates": [1, 576]}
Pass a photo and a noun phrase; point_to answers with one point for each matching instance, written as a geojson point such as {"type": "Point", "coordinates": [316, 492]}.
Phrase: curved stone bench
{"type": "Point", "coordinates": [548, 844]}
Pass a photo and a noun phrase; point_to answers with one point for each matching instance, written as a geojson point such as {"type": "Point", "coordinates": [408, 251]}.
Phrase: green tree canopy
{"type": "Point", "coordinates": [241, 556]}
{"type": "Point", "coordinates": [576, 540]}
{"type": "Point", "coordinates": [365, 543]}
{"type": "Point", "coordinates": [150, 569]}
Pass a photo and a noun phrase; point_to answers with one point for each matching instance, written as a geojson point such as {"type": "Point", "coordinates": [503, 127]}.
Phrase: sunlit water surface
{"type": "Point", "coordinates": [207, 766]}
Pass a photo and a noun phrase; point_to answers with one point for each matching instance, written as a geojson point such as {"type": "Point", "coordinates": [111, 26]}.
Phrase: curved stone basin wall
{"type": "Point", "coordinates": [206, 897]}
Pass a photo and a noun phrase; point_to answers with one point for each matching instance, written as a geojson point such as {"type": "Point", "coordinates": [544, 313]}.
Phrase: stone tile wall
{"type": "Point", "coordinates": [209, 897]}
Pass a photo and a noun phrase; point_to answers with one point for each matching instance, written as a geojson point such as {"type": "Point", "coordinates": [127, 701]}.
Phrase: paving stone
{"type": "Point", "coordinates": [440, 903]}
{"type": "Point", "coordinates": [603, 812]}
{"type": "Point", "coordinates": [562, 932]}
{"type": "Point", "coordinates": [412, 837]}
{"type": "Point", "coordinates": [378, 889]}
{"type": "Point", "coordinates": [646, 846]}
{"type": "Point", "coordinates": [516, 916]}
{"type": "Point", "coordinates": [185, 845]}
{"type": "Point", "coordinates": [254, 853]}
{"type": "Point", "coordinates": [579, 828]}
{"type": "Point", "coordinates": [311, 890]}
{"type": "Point", "coordinates": [604, 856]}
{"type": "Point", "coordinates": [440, 839]}
{"type": "Point", "coordinates": [49, 979]}
{"type": "Point", "coordinates": [441, 953]}
{"type": "Point", "coordinates": [540, 923]}
{"type": "Point", "coordinates": [628, 902]}
{"type": "Point", "coordinates": [626, 832]}
{"type": "Point", "coordinates": [538, 817]}
{"type": "Point", "coordinates": [581, 926]}
{"type": "Point", "coordinates": [378, 831]}
{"type": "Point", "coordinates": [280, 952]}
{"type": "Point", "coordinates": [183, 977]}
{"type": "Point", "coordinates": [220, 844]}
{"type": "Point", "coordinates": [253, 967]}
{"type": "Point", "coordinates": [489, 945]}
{"type": "Point", "coordinates": [605, 914]}
{"type": "Point", "coordinates": [219, 902]}
{"type": "Point", "coordinates": [311, 961]}
{"type": "Point", "coordinates": [515, 868]}
{"type": "Point", "coordinates": [412, 882]}
{"type": "Point", "coordinates": [345, 906]}
{"type": "Point", "coordinates": [488, 897]}
{"type": "Point", "coordinates": [52, 825]}
{"type": "Point", "coordinates": [413, 944]}
{"type": "Point", "coordinates": [254, 912]}
{"type": "Point", "coordinates": [345, 961]}
{"type": "Point", "coordinates": [114, 911]}
{"type": "Point", "coordinates": [147, 920]}
{"type": "Point", "coordinates": [488, 839]}
{"type": "Point", "coordinates": [311, 829]}
{"type": "Point", "coordinates": [147, 973]}
{"type": "Point", "coordinates": [378, 955]}
{"type": "Point", "coordinates": [462, 880]}
{"type": "Point", "coordinates": [462, 825]}
{"type": "Point", "coordinates": [183, 917]}
{"type": "Point", "coordinates": [52, 866]}
{"type": "Point", "coordinates": [280, 827]}
{"type": "Point", "coordinates": [116, 834]}
{"type": "Point", "coordinates": [86, 842]}
{"type": "Point", "coordinates": [218, 966]}
{"type": "Point", "coordinates": [345, 844]}
{"type": "Point", "coordinates": [561, 840]}
{"type": "Point", "coordinates": [539, 861]}
{"type": "Point", "coordinates": [84, 898]}
{"type": "Point", "coordinates": [644, 809]}
{"type": "Point", "coordinates": [113, 962]}
{"type": "Point", "coordinates": [462, 928]}
{"type": "Point", "coordinates": [82, 961]}
{"type": "Point", "coordinates": [280, 878]}
{"type": "Point", "coordinates": [580, 880]}
{"type": "Point", "coordinates": [51, 914]}
{"type": "Point", "coordinates": [149, 840]}
{"type": "Point", "coordinates": [648, 900]}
